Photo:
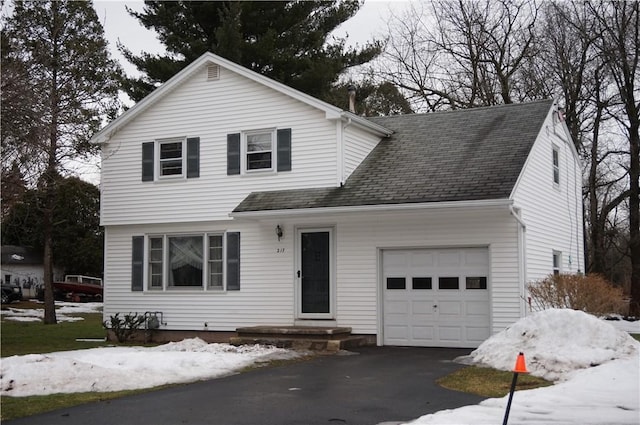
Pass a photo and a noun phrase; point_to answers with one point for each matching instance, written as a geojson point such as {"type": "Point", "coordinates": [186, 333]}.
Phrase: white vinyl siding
{"type": "Point", "coordinates": [552, 213]}
{"type": "Point", "coordinates": [210, 111]}
{"type": "Point", "coordinates": [357, 145]}
{"type": "Point", "coordinates": [268, 298]}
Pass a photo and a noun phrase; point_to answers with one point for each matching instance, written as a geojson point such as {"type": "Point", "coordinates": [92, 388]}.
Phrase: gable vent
{"type": "Point", "coordinates": [213, 72]}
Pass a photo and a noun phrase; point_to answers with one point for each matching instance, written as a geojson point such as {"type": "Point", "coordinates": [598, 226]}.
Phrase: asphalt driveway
{"type": "Point", "coordinates": [372, 386]}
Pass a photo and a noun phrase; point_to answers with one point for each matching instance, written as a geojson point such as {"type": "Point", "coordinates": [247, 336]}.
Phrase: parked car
{"type": "Point", "coordinates": [76, 288]}
{"type": "Point", "coordinates": [10, 293]}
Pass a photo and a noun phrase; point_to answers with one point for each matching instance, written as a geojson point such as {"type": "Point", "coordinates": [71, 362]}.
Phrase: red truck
{"type": "Point", "coordinates": [77, 288]}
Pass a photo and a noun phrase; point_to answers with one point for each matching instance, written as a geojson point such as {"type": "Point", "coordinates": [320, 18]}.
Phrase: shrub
{"type": "Point", "coordinates": [589, 293]}
{"type": "Point", "coordinates": [124, 327]}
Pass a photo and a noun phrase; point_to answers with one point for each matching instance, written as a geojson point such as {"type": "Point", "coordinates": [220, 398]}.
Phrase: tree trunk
{"type": "Point", "coordinates": [597, 217]}
{"type": "Point", "coordinates": [49, 301]}
{"type": "Point", "coordinates": [50, 175]}
{"type": "Point", "coordinates": [634, 219]}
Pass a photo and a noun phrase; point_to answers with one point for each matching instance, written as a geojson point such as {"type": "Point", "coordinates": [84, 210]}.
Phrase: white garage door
{"type": "Point", "coordinates": [436, 297]}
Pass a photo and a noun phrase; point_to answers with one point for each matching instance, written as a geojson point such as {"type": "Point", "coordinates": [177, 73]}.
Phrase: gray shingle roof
{"type": "Point", "coordinates": [463, 155]}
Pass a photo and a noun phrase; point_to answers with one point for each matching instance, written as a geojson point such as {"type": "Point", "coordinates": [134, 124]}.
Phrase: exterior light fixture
{"type": "Point", "coordinates": [279, 232]}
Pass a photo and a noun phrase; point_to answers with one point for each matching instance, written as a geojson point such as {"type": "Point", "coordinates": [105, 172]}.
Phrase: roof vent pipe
{"type": "Point", "coordinates": [352, 98]}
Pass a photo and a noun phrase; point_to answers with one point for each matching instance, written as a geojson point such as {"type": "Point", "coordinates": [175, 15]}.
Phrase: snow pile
{"type": "Point", "coordinates": [607, 394]}
{"type": "Point", "coordinates": [556, 342]}
{"type": "Point", "coordinates": [63, 312]}
{"type": "Point", "coordinates": [563, 345]}
{"type": "Point", "coordinates": [624, 325]}
{"type": "Point", "coordinates": [126, 368]}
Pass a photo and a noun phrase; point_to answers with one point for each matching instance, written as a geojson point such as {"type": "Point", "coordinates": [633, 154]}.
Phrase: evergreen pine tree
{"type": "Point", "coordinates": [288, 41]}
{"type": "Point", "coordinates": [74, 86]}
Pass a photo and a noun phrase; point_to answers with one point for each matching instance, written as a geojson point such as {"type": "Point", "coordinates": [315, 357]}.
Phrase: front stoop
{"type": "Point", "coordinates": [316, 338]}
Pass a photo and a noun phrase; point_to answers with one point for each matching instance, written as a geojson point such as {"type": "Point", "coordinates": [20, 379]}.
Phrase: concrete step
{"type": "Point", "coordinates": [317, 338]}
{"type": "Point", "coordinates": [314, 344]}
{"type": "Point", "coordinates": [295, 332]}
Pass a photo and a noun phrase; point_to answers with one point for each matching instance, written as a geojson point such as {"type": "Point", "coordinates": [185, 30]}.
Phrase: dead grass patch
{"type": "Point", "coordinates": [487, 382]}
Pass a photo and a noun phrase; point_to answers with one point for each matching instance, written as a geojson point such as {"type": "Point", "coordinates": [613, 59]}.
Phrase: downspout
{"type": "Point", "coordinates": [340, 130]}
{"type": "Point", "coordinates": [522, 271]}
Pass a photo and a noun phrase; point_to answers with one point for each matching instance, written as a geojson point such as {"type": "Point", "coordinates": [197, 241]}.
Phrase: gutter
{"type": "Point", "coordinates": [517, 217]}
{"type": "Point", "coordinates": [373, 208]}
{"type": "Point", "coordinates": [359, 121]}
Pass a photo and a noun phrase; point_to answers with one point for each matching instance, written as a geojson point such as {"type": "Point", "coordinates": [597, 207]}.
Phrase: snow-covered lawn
{"type": "Point", "coordinates": [120, 368]}
{"type": "Point", "coordinates": [64, 310]}
{"type": "Point", "coordinates": [126, 368]}
{"type": "Point", "coordinates": [594, 363]}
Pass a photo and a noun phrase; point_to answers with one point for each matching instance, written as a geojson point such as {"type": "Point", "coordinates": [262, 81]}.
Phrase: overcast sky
{"type": "Point", "coordinates": [369, 22]}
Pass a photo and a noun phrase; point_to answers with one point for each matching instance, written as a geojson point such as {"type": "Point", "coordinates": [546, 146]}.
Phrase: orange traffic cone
{"type": "Point", "coordinates": [520, 366]}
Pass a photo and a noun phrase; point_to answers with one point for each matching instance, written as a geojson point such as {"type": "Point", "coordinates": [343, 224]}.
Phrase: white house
{"type": "Point", "coordinates": [25, 267]}
{"type": "Point", "coordinates": [230, 200]}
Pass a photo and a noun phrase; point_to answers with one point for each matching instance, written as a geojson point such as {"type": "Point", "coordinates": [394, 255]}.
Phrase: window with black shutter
{"type": "Point", "coordinates": [171, 158]}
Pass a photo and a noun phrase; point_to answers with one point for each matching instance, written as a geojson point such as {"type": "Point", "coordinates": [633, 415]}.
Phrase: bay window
{"type": "Point", "coordinates": [193, 261]}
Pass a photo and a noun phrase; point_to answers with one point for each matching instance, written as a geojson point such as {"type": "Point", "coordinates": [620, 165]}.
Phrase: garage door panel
{"type": "Point", "coordinates": [447, 258]}
{"type": "Point", "coordinates": [476, 257]}
{"type": "Point", "coordinates": [395, 261]}
{"type": "Point", "coordinates": [477, 334]}
{"type": "Point", "coordinates": [461, 316]}
{"type": "Point", "coordinates": [397, 332]}
{"type": "Point", "coordinates": [422, 334]}
{"type": "Point", "coordinates": [393, 308]}
{"type": "Point", "coordinates": [450, 308]}
{"type": "Point", "coordinates": [451, 334]}
{"type": "Point", "coordinates": [477, 308]}
{"type": "Point", "coordinates": [422, 308]}
{"type": "Point", "coordinates": [422, 258]}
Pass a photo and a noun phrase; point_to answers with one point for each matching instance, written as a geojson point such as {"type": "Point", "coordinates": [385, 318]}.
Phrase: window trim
{"type": "Point", "coordinates": [244, 151]}
{"type": "Point", "coordinates": [555, 164]}
{"type": "Point", "coordinates": [207, 243]}
{"type": "Point", "coordinates": [165, 287]}
{"type": "Point", "coordinates": [183, 158]}
{"type": "Point", "coordinates": [556, 268]}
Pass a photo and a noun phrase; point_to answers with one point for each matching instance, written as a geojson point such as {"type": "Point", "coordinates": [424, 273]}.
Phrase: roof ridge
{"type": "Point", "coordinates": [477, 108]}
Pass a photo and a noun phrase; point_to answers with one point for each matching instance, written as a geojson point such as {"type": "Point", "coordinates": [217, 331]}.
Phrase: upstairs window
{"type": "Point", "coordinates": [556, 166]}
{"type": "Point", "coordinates": [171, 158]}
{"type": "Point", "coordinates": [259, 150]}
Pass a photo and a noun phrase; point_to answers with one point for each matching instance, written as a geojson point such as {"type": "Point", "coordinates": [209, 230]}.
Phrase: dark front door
{"type": "Point", "coordinates": [315, 273]}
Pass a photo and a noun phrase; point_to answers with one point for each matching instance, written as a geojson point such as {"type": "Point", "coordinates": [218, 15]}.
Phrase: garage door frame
{"type": "Point", "coordinates": [465, 340]}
